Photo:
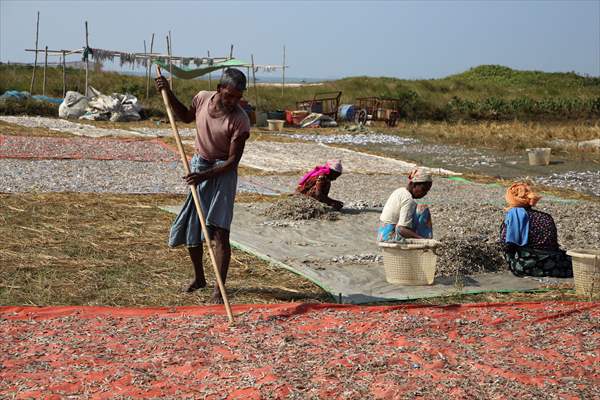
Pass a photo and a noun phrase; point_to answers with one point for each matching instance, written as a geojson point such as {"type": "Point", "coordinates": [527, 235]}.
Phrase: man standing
{"type": "Point", "coordinates": [222, 128]}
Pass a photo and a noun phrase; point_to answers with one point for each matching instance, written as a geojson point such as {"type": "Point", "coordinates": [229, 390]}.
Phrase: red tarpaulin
{"type": "Point", "coordinates": [508, 350]}
{"type": "Point", "coordinates": [85, 148]}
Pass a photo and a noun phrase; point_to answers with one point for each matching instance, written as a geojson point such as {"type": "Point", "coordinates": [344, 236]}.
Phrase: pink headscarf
{"type": "Point", "coordinates": [335, 165]}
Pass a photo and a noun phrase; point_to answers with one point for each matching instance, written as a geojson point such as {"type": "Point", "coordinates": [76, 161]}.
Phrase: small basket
{"type": "Point", "coordinates": [586, 271]}
{"type": "Point", "coordinates": [411, 262]}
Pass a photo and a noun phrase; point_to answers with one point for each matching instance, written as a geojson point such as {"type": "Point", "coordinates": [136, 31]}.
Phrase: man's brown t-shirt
{"type": "Point", "coordinates": [215, 134]}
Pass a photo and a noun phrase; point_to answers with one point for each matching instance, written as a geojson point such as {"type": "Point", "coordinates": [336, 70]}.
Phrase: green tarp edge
{"type": "Point", "coordinates": [191, 73]}
{"type": "Point", "coordinates": [280, 264]}
{"type": "Point", "coordinates": [335, 297]}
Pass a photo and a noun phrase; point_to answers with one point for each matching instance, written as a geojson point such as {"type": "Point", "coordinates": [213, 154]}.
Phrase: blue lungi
{"type": "Point", "coordinates": [217, 196]}
{"type": "Point", "coordinates": [421, 224]}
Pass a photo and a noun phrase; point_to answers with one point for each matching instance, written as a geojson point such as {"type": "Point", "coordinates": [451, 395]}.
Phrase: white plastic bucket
{"type": "Point", "coordinates": [275, 124]}
{"type": "Point", "coordinates": [539, 156]}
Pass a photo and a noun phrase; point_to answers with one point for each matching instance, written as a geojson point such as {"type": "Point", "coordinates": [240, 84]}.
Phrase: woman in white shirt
{"type": "Point", "coordinates": [402, 218]}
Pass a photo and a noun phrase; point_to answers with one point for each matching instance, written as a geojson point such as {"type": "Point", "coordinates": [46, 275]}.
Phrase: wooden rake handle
{"type": "Point", "coordinates": [184, 160]}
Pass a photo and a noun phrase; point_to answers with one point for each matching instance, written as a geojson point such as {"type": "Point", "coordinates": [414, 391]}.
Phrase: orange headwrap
{"type": "Point", "coordinates": [521, 195]}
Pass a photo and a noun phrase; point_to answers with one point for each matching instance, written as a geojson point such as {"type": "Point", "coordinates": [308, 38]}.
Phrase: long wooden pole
{"type": "Point", "coordinates": [87, 58]}
{"type": "Point", "coordinates": [147, 69]}
{"type": "Point", "coordinates": [170, 52]}
{"type": "Point", "coordinates": [255, 88]}
{"type": "Point", "coordinates": [64, 63]}
{"type": "Point", "coordinates": [248, 75]}
{"type": "Point", "coordinates": [45, 67]}
{"type": "Point", "coordinates": [184, 160]}
{"type": "Point", "coordinates": [230, 57]}
{"type": "Point", "coordinates": [283, 72]}
{"type": "Point", "coordinates": [209, 77]}
{"type": "Point", "coordinates": [149, 61]}
{"type": "Point", "coordinates": [37, 32]}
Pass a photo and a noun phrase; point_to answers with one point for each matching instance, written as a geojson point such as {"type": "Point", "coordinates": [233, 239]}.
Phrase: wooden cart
{"type": "Point", "coordinates": [379, 108]}
{"type": "Point", "coordinates": [326, 103]}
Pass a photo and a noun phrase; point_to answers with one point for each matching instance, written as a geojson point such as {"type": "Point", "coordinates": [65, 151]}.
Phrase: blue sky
{"type": "Point", "coordinates": [405, 39]}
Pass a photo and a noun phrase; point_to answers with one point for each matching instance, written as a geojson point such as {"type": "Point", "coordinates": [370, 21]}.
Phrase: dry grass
{"type": "Point", "coordinates": [504, 135]}
{"type": "Point", "coordinates": [111, 250]}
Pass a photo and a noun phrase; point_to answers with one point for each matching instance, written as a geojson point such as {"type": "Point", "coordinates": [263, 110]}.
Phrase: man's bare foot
{"type": "Point", "coordinates": [195, 285]}
{"type": "Point", "coordinates": [216, 297]}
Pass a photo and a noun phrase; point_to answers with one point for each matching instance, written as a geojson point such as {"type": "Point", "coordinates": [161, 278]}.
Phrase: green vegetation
{"type": "Point", "coordinates": [488, 92]}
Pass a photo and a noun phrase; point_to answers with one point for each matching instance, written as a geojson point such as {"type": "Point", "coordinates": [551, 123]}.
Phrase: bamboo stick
{"type": "Point", "coordinates": [283, 72]}
{"type": "Point", "coordinates": [37, 31]}
{"type": "Point", "coordinates": [255, 88]}
{"type": "Point", "coordinates": [186, 166]}
{"type": "Point", "coordinates": [148, 69]}
{"type": "Point", "coordinates": [45, 67]}
{"type": "Point", "coordinates": [87, 62]}
{"type": "Point", "coordinates": [64, 65]}
{"type": "Point", "coordinates": [170, 52]}
{"type": "Point", "coordinates": [209, 77]}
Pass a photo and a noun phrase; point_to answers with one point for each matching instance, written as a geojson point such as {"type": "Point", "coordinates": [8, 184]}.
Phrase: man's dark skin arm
{"type": "Point", "coordinates": [181, 112]}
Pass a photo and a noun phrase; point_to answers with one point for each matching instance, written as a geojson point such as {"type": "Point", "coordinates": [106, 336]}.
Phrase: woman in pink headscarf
{"type": "Point", "coordinates": [317, 183]}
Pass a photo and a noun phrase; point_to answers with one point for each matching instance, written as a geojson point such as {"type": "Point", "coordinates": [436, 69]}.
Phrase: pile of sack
{"type": "Point", "coordinates": [100, 107]}
{"type": "Point", "coordinates": [15, 95]}
{"type": "Point", "coordinates": [314, 120]}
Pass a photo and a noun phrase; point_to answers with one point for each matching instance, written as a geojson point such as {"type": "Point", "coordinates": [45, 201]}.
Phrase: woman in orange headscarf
{"type": "Point", "coordinates": [530, 237]}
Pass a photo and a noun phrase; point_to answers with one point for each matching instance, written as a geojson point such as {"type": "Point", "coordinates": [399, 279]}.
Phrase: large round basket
{"type": "Point", "coordinates": [586, 271]}
{"type": "Point", "coordinates": [411, 262]}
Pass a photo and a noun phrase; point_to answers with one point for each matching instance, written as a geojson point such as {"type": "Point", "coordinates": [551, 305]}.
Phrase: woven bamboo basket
{"type": "Point", "coordinates": [411, 262]}
{"type": "Point", "coordinates": [586, 271]}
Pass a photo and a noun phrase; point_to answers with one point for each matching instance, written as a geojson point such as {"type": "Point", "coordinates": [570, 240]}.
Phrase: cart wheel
{"type": "Point", "coordinates": [392, 120]}
{"type": "Point", "coordinates": [361, 116]}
